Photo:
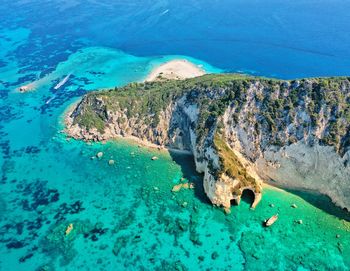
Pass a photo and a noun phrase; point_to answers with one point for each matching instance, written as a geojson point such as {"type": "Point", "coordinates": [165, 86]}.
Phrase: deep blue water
{"type": "Point", "coordinates": [124, 215]}
{"type": "Point", "coordinates": [277, 38]}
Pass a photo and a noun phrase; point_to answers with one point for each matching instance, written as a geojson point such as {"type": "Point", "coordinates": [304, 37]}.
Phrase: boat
{"type": "Point", "coordinates": [61, 83]}
{"type": "Point", "coordinates": [49, 100]}
{"type": "Point", "coordinates": [26, 88]}
{"type": "Point", "coordinates": [164, 12]}
{"type": "Point", "coordinates": [271, 220]}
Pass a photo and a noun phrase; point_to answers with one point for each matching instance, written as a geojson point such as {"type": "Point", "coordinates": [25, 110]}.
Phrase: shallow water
{"type": "Point", "coordinates": [124, 215]}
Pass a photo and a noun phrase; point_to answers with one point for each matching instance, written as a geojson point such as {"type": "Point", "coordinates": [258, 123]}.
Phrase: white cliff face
{"type": "Point", "coordinates": [175, 129]}
{"type": "Point", "coordinates": [299, 166]}
{"type": "Point", "coordinates": [280, 132]}
{"type": "Point", "coordinates": [304, 164]}
{"type": "Point", "coordinates": [314, 167]}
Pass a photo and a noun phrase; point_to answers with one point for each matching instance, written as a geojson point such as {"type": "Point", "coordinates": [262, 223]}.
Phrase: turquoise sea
{"type": "Point", "coordinates": [124, 216]}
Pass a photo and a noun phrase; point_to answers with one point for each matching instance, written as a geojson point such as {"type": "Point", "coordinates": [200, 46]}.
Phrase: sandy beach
{"type": "Point", "coordinates": [175, 69]}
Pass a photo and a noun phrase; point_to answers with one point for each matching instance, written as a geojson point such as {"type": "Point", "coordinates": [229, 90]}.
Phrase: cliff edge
{"type": "Point", "coordinates": [241, 130]}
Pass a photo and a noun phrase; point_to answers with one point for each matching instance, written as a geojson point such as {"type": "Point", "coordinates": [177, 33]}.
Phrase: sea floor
{"type": "Point", "coordinates": [125, 217]}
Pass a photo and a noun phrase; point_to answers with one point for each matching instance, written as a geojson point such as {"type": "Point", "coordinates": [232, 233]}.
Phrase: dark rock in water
{"type": "Point", "coordinates": [45, 267]}
{"type": "Point", "coordinates": [6, 227]}
{"type": "Point", "coordinates": [15, 244]}
{"type": "Point", "coordinates": [120, 243]}
{"type": "Point", "coordinates": [99, 230]}
{"type": "Point", "coordinates": [214, 255]}
{"type": "Point", "coordinates": [19, 228]}
{"type": "Point", "coordinates": [194, 237]}
{"type": "Point", "coordinates": [183, 225]}
{"type": "Point", "coordinates": [61, 245]}
{"type": "Point", "coordinates": [103, 247]}
{"type": "Point", "coordinates": [174, 266]}
{"type": "Point", "coordinates": [25, 205]}
{"type": "Point", "coordinates": [34, 248]}
{"type": "Point", "coordinates": [76, 207]}
{"type": "Point", "coordinates": [65, 209]}
{"type": "Point", "coordinates": [125, 222]}
{"type": "Point", "coordinates": [37, 194]}
{"type": "Point", "coordinates": [55, 197]}
{"type": "Point", "coordinates": [32, 150]}
{"type": "Point", "coordinates": [35, 225]}
{"type": "Point", "coordinates": [26, 257]}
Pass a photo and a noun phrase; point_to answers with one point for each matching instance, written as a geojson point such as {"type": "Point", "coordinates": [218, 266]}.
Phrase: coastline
{"type": "Point", "coordinates": [177, 69]}
{"type": "Point", "coordinates": [70, 129]}
{"type": "Point", "coordinates": [67, 122]}
{"type": "Point", "coordinates": [147, 144]}
{"type": "Point", "coordinates": [313, 197]}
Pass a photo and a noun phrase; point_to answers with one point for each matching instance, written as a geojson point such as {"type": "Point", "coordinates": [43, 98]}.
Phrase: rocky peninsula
{"type": "Point", "coordinates": [241, 130]}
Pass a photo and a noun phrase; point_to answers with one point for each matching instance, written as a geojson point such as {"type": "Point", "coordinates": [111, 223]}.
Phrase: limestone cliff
{"type": "Point", "coordinates": [241, 130]}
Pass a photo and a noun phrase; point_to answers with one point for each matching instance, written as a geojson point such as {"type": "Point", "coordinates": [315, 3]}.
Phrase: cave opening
{"type": "Point", "coordinates": [248, 196]}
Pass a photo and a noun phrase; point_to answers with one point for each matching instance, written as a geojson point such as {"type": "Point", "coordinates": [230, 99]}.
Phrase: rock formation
{"type": "Point", "coordinates": [241, 130]}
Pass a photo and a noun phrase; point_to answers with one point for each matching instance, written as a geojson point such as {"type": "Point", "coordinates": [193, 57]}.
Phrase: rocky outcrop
{"type": "Point", "coordinates": [241, 130]}
{"type": "Point", "coordinates": [175, 129]}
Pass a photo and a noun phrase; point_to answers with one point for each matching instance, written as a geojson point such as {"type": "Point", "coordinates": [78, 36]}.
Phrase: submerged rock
{"type": "Point", "coordinates": [214, 255]}
{"type": "Point", "coordinates": [227, 211]}
{"type": "Point", "coordinates": [178, 187]}
{"type": "Point", "coordinates": [69, 229]}
{"type": "Point", "coordinates": [111, 162]}
{"type": "Point", "coordinates": [241, 130]}
{"type": "Point", "coordinates": [119, 244]}
{"type": "Point", "coordinates": [60, 244]}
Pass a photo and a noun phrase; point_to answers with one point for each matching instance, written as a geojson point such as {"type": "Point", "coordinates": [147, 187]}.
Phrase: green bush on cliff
{"type": "Point", "coordinates": [90, 120]}
{"type": "Point", "coordinates": [275, 105]}
{"type": "Point", "coordinates": [232, 167]}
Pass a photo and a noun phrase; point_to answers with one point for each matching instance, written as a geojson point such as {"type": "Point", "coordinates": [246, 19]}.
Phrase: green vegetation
{"type": "Point", "coordinates": [232, 167]}
{"type": "Point", "coordinates": [273, 105]}
{"type": "Point", "coordinates": [90, 120]}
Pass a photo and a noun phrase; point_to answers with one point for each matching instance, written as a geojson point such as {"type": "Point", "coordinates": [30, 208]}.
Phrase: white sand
{"type": "Point", "coordinates": [175, 69]}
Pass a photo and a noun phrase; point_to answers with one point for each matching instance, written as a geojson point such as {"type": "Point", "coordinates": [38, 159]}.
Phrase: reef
{"type": "Point", "coordinates": [241, 130]}
{"type": "Point", "coordinates": [60, 238]}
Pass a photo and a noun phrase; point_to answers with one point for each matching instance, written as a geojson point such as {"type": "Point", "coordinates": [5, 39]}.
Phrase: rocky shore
{"type": "Point", "coordinates": [241, 130]}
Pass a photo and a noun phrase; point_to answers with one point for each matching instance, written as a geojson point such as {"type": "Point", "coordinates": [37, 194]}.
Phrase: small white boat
{"type": "Point", "coordinates": [271, 220]}
{"type": "Point", "coordinates": [164, 12]}
{"type": "Point", "coordinates": [49, 100]}
{"type": "Point", "coordinates": [61, 83]}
